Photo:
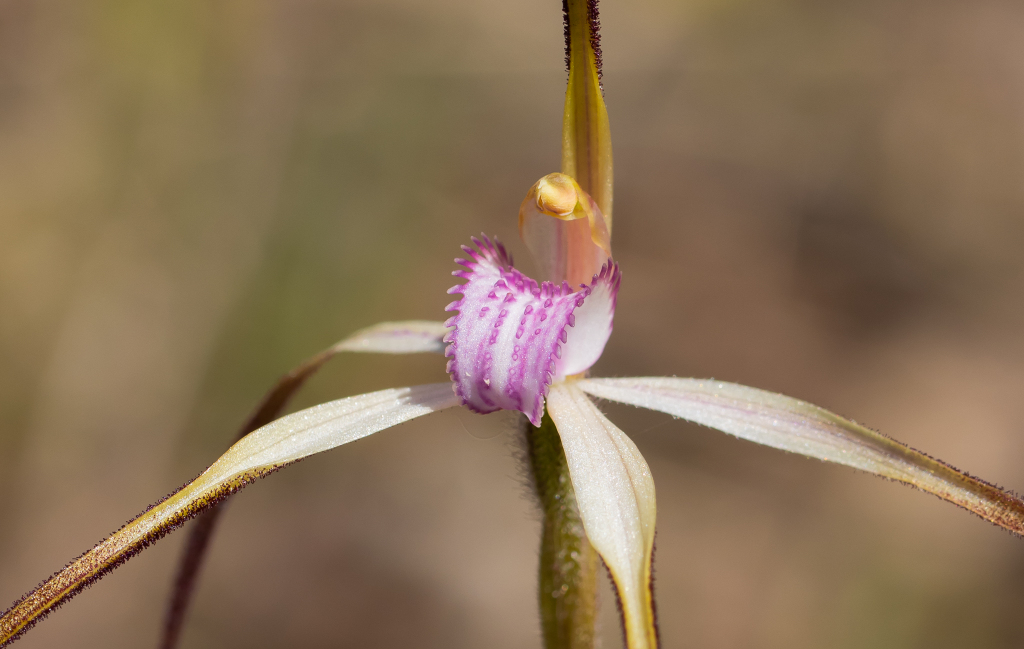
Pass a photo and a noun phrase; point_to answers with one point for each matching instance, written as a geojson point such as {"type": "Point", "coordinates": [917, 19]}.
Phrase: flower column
{"type": "Point", "coordinates": [568, 563]}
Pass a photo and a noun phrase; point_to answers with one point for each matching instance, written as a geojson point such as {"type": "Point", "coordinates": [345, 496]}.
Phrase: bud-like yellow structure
{"type": "Point", "coordinates": [558, 196]}
{"type": "Point", "coordinates": [565, 230]}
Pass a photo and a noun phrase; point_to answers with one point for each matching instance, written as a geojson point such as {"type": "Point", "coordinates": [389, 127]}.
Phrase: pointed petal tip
{"type": "Point", "coordinates": [799, 427]}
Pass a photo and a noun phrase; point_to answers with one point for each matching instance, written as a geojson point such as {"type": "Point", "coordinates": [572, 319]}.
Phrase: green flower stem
{"type": "Point", "coordinates": [568, 563]}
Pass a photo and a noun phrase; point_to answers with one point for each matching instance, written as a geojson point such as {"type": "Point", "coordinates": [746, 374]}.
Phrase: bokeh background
{"type": "Point", "coordinates": [820, 198]}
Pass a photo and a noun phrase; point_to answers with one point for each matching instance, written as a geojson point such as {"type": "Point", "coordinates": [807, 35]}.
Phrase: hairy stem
{"type": "Point", "coordinates": [568, 563]}
{"type": "Point", "coordinates": [266, 450]}
{"type": "Point", "coordinates": [405, 337]}
{"type": "Point", "coordinates": [138, 534]}
{"type": "Point", "coordinates": [202, 530]}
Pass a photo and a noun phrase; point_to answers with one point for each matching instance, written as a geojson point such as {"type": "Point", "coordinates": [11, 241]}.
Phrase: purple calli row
{"type": "Point", "coordinates": [511, 336]}
{"type": "Point", "coordinates": [505, 357]}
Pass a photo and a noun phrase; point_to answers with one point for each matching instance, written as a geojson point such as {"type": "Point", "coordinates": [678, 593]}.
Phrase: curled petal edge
{"type": "Point", "coordinates": [615, 494]}
{"type": "Point", "coordinates": [258, 454]}
{"type": "Point", "coordinates": [799, 427]}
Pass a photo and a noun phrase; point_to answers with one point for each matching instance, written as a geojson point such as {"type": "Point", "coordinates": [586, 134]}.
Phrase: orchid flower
{"type": "Point", "coordinates": [516, 343]}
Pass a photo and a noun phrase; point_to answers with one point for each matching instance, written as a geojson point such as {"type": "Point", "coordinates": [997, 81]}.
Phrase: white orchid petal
{"type": "Point", "coordinates": [326, 426]}
{"type": "Point", "coordinates": [797, 426]}
{"type": "Point", "coordinates": [593, 325]}
{"type": "Point", "coordinates": [615, 493]}
{"type": "Point", "coordinates": [258, 453]}
{"type": "Point", "coordinates": [408, 337]}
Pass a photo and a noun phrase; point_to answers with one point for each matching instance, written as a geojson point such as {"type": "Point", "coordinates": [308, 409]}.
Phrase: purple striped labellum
{"type": "Point", "coordinates": [513, 336]}
{"type": "Point", "coordinates": [520, 344]}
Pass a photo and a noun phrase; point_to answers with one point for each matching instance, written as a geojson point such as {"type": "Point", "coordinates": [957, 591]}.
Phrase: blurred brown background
{"type": "Point", "coordinates": [819, 198]}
